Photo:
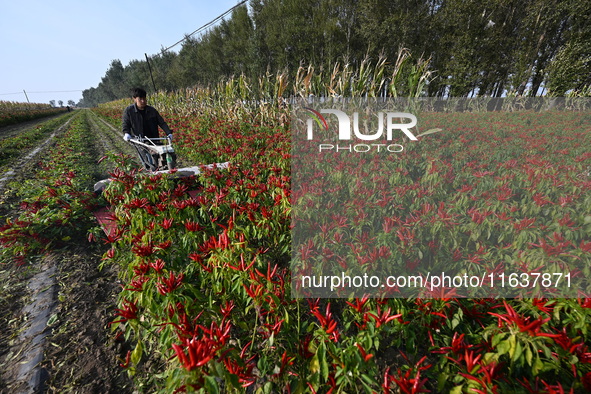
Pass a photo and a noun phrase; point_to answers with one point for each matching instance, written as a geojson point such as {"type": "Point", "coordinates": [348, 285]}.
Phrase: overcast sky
{"type": "Point", "coordinates": [55, 49]}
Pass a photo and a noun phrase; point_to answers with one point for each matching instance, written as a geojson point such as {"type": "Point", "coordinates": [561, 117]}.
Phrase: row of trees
{"type": "Point", "coordinates": [60, 103]}
{"type": "Point", "coordinates": [492, 48]}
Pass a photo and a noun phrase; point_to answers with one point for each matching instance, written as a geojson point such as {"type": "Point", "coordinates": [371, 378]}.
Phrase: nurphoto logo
{"type": "Point", "coordinates": [388, 123]}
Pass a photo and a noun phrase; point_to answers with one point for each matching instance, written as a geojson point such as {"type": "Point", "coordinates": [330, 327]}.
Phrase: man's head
{"type": "Point", "coordinates": [139, 97]}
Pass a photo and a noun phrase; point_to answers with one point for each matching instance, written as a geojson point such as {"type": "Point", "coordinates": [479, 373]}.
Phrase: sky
{"type": "Point", "coordinates": [53, 50]}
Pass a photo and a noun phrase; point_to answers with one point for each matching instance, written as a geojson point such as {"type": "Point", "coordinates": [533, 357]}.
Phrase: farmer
{"type": "Point", "coordinates": [141, 119]}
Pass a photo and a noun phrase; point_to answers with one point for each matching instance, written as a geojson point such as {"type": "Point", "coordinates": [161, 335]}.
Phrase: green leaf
{"type": "Point", "coordinates": [442, 379]}
{"type": "Point", "coordinates": [503, 347]}
{"type": "Point", "coordinates": [136, 354]}
{"type": "Point", "coordinates": [488, 357]}
{"type": "Point", "coordinates": [456, 390]}
{"type": "Point", "coordinates": [497, 338]}
{"type": "Point", "coordinates": [512, 345]}
{"type": "Point", "coordinates": [211, 385]}
{"type": "Point", "coordinates": [321, 353]}
{"type": "Point", "coordinates": [268, 388]}
{"type": "Point", "coordinates": [528, 355]}
{"type": "Point", "coordinates": [518, 352]}
{"type": "Point", "coordinates": [234, 381]}
{"type": "Point", "coordinates": [376, 342]}
{"type": "Point", "coordinates": [314, 364]}
{"type": "Point", "coordinates": [52, 319]}
{"type": "Point", "coordinates": [537, 366]}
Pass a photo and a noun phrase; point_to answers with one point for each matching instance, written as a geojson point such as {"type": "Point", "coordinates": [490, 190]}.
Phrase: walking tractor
{"type": "Point", "coordinates": [156, 155]}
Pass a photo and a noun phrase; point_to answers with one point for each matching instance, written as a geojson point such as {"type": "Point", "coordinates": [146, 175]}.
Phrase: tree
{"type": "Point", "coordinates": [541, 34]}
{"type": "Point", "coordinates": [341, 31]}
{"type": "Point", "coordinates": [387, 26]}
{"type": "Point", "coordinates": [161, 66]}
{"type": "Point", "coordinates": [461, 42]}
{"type": "Point", "coordinates": [237, 44]}
{"type": "Point", "coordinates": [210, 62]}
{"type": "Point", "coordinates": [473, 48]}
{"type": "Point", "coordinates": [291, 31]}
{"type": "Point", "coordinates": [570, 69]}
{"type": "Point", "coordinates": [90, 98]}
{"type": "Point", "coordinates": [136, 74]}
{"type": "Point", "coordinates": [185, 66]}
{"type": "Point", "coordinates": [113, 83]}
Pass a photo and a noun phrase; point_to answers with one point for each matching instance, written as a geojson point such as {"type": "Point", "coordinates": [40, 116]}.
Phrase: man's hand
{"type": "Point", "coordinates": [169, 137]}
{"type": "Point", "coordinates": [126, 137]}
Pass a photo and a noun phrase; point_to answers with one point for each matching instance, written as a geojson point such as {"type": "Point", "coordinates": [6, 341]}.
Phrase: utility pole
{"type": "Point", "coordinates": [26, 96]}
{"type": "Point", "coordinates": [150, 68]}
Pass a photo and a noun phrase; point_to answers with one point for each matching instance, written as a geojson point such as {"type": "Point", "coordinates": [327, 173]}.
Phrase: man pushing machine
{"type": "Point", "coordinates": [141, 121]}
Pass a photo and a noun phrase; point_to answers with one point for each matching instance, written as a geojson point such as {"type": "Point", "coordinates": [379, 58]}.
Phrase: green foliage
{"type": "Point", "coordinates": [56, 206]}
{"type": "Point", "coordinates": [467, 47]}
{"type": "Point", "coordinates": [182, 285]}
{"type": "Point", "coordinates": [571, 69]}
{"type": "Point", "coordinates": [12, 147]}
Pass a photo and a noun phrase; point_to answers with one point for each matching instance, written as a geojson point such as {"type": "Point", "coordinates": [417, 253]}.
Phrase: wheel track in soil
{"type": "Point", "coordinates": [29, 364]}
{"type": "Point", "coordinates": [110, 140]}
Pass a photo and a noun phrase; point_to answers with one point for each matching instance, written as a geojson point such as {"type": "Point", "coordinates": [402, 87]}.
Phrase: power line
{"type": "Point", "coordinates": [46, 91]}
{"type": "Point", "coordinates": [208, 24]}
{"type": "Point", "coordinates": [204, 26]}
{"type": "Point", "coordinates": [59, 91]}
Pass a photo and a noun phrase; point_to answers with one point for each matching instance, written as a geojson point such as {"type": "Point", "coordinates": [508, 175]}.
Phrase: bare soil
{"type": "Point", "coordinates": [82, 353]}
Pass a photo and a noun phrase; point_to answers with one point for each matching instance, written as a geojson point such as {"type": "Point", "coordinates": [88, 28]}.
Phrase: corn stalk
{"type": "Point", "coordinates": [262, 99]}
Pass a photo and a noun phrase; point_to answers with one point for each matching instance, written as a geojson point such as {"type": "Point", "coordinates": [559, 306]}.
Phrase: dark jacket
{"type": "Point", "coordinates": [133, 122]}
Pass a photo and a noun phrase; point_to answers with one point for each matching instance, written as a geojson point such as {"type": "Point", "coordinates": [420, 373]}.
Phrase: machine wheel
{"type": "Point", "coordinates": [171, 161]}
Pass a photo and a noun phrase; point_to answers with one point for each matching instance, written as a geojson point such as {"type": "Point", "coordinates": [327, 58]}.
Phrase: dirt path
{"type": "Point", "coordinates": [110, 139]}
{"type": "Point", "coordinates": [54, 329]}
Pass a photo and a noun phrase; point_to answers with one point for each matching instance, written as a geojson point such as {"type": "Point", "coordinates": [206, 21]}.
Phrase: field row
{"type": "Point", "coordinates": [14, 113]}
{"type": "Point", "coordinates": [208, 289]}
{"type": "Point", "coordinates": [208, 276]}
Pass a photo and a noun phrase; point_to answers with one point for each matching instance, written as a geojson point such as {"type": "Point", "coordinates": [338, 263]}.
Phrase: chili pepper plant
{"type": "Point", "coordinates": [12, 112]}
{"type": "Point", "coordinates": [206, 294]}
{"type": "Point", "coordinates": [56, 203]}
